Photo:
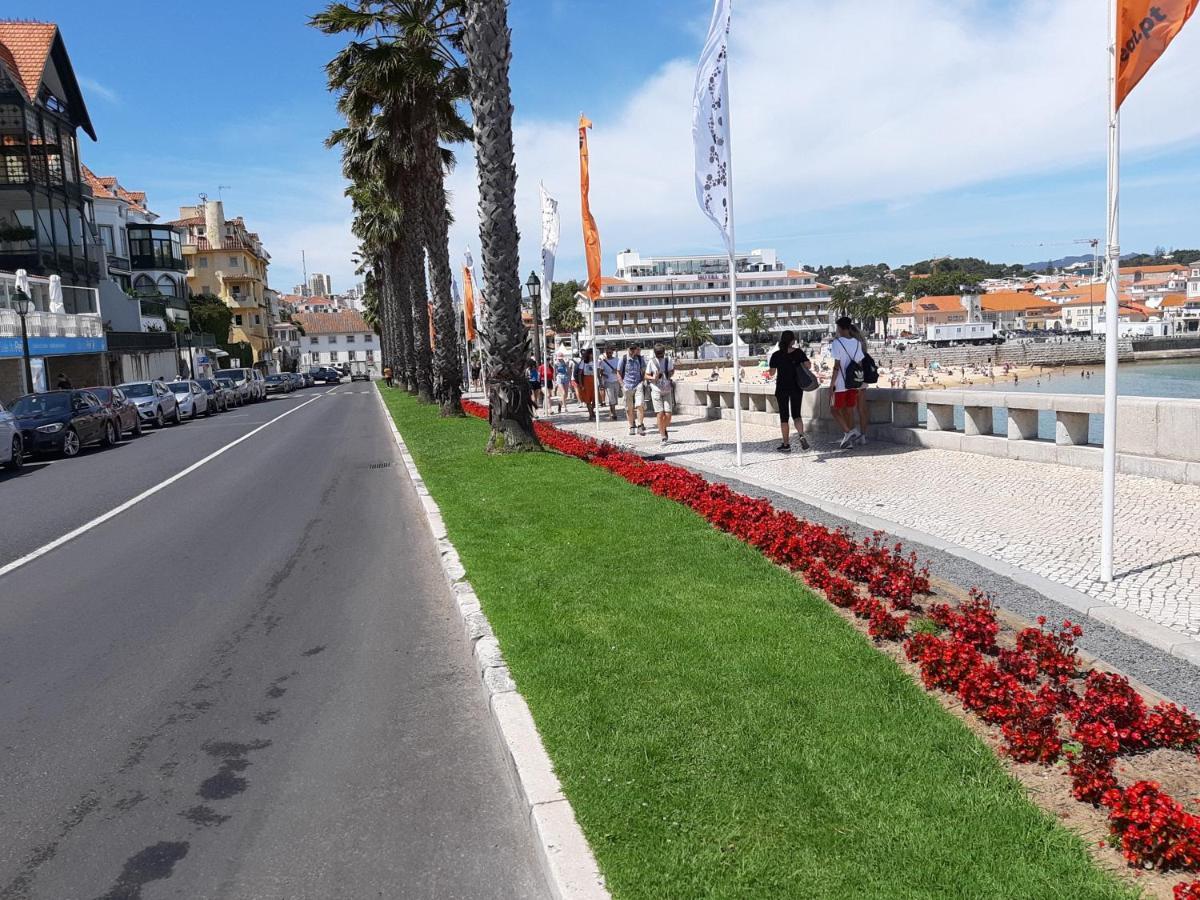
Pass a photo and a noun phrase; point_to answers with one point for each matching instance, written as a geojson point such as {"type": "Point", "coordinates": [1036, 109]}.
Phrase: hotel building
{"type": "Point", "coordinates": [651, 298]}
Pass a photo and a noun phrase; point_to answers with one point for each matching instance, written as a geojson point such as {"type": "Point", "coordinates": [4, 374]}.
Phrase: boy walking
{"type": "Point", "coordinates": [609, 381]}
{"type": "Point", "coordinates": [847, 361]}
{"type": "Point", "coordinates": [632, 372]}
{"type": "Point", "coordinates": [660, 373]}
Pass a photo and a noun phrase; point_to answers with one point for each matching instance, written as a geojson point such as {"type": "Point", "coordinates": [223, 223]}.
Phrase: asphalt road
{"type": "Point", "coordinates": [251, 684]}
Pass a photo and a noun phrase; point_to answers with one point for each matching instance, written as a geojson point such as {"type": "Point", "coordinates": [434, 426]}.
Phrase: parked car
{"type": "Point", "coordinates": [233, 397]}
{"type": "Point", "coordinates": [279, 384]}
{"type": "Point", "coordinates": [63, 422]}
{"type": "Point", "coordinates": [326, 375]}
{"type": "Point", "coordinates": [256, 388]}
{"type": "Point", "coordinates": [360, 371]}
{"type": "Point", "coordinates": [309, 381]}
{"type": "Point", "coordinates": [124, 410]}
{"type": "Point", "coordinates": [192, 399]}
{"type": "Point", "coordinates": [12, 448]}
{"type": "Point", "coordinates": [240, 384]}
{"type": "Point", "coordinates": [297, 380]}
{"type": "Point", "coordinates": [216, 394]}
{"type": "Point", "coordinates": [155, 403]}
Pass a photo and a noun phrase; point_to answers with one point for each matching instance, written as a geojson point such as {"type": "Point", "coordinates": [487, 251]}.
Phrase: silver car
{"type": "Point", "coordinates": [156, 404]}
{"type": "Point", "coordinates": [249, 379]}
{"type": "Point", "coordinates": [192, 399]}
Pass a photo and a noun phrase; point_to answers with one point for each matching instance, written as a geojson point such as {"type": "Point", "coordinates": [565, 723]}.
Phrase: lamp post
{"type": "Point", "coordinates": [24, 306]}
{"type": "Point", "coordinates": [534, 288]}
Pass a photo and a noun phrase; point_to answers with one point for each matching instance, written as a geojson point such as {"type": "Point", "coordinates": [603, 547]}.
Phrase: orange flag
{"type": "Point", "coordinates": [1144, 29]}
{"type": "Point", "coordinates": [468, 304]}
{"type": "Point", "coordinates": [432, 336]}
{"type": "Point", "coordinates": [591, 237]}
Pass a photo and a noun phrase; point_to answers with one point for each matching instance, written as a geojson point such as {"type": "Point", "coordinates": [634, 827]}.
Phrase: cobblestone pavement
{"type": "Point", "coordinates": [1039, 517]}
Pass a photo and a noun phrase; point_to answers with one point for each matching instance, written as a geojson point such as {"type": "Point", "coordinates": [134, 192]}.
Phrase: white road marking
{"type": "Point", "coordinates": [134, 501]}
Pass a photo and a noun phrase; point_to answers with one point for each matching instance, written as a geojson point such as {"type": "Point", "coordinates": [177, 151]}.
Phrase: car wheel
{"type": "Point", "coordinates": [18, 455]}
{"type": "Point", "coordinates": [110, 435]}
{"type": "Point", "coordinates": [177, 419]}
{"type": "Point", "coordinates": [195, 413]}
{"type": "Point", "coordinates": [159, 421]}
{"type": "Point", "coordinates": [208, 409]}
{"type": "Point", "coordinates": [70, 445]}
{"type": "Point", "coordinates": [137, 426]}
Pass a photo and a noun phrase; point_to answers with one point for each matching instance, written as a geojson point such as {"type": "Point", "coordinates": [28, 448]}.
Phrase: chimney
{"type": "Point", "coordinates": [214, 223]}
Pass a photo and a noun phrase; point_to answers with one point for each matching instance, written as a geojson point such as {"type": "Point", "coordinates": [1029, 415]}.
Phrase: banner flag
{"type": "Point", "coordinates": [1144, 29]}
{"type": "Point", "coordinates": [550, 232]}
{"type": "Point", "coordinates": [710, 125]}
{"type": "Point", "coordinates": [591, 237]}
{"type": "Point", "coordinates": [478, 307]}
{"type": "Point", "coordinates": [468, 304]}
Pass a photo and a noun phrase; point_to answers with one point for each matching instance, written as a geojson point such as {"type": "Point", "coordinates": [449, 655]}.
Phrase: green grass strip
{"type": "Point", "coordinates": [718, 729]}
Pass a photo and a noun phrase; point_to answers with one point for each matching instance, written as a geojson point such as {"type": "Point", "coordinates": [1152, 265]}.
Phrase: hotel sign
{"type": "Point", "coordinates": [52, 346]}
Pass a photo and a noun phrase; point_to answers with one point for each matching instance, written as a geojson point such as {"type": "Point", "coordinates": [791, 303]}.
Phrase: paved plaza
{"type": "Point", "coordinates": [1040, 518]}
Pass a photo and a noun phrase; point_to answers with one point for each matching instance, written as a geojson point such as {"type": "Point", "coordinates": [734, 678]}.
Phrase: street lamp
{"type": "Point", "coordinates": [24, 306]}
{"type": "Point", "coordinates": [534, 287]}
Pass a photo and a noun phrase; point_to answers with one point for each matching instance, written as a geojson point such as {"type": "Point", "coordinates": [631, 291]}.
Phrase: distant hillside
{"type": "Point", "coordinates": [1159, 258]}
{"type": "Point", "coordinates": [1058, 263]}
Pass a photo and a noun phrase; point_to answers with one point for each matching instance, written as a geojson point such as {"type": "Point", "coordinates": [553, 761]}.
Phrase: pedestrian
{"type": "Point", "coordinates": [387, 375]}
{"type": "Point", "coordinates": [476, 371]}
{"type": "Point", "coordinates": [584, 377]}
{"type": "Point", "coordinates": [562, 380]}
{"type": "Point", "coordinates": [632, 372]}
{"type": "Point", "coordinates": [847, 378]}
{"type": "Point", "coordinates": [660, 371]}
{"type": "Point", "coordinates": [535, 383]}
{"type": "Point", "coordinates": [784, 367]}
{"type": "Point", "coordinates": [610, 382]}
{"type": "Point", "coordinates": [861, 408]}
{"type": "Point", "coordinates": [64, 383]}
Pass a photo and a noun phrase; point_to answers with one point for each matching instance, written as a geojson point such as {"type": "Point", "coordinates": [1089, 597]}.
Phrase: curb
{"type": "Point", "coordinates": [567, 862]}
{"type": "Point", "coordinates": [1129, 623]}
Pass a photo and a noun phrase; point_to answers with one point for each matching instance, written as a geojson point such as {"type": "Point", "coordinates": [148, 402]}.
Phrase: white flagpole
{"type": "Point", "coordinates": [733, 306]}
{"type": "Point", "coordinates": [1112, 310]}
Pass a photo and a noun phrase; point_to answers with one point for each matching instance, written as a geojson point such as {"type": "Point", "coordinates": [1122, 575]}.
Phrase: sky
{"type": "Point", "coordinates": [863, 132]}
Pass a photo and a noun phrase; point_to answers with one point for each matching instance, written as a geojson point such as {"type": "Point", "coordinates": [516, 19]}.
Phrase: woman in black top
{"type": "Point", "coordinates": [784, 364]}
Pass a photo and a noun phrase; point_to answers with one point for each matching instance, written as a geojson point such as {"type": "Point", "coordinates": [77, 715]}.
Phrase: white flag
{"type": "Point", "coordinates": [710, 125]}
{"type": "Point", "coordinates": [549, 247]}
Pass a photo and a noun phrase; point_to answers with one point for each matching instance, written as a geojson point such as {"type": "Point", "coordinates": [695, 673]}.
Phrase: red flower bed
{"type": "Point", "coordinates": [1033, 692]}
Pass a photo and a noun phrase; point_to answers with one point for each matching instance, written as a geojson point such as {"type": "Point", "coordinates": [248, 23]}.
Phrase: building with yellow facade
{"type": "Point", "coordinates": [226, 260]}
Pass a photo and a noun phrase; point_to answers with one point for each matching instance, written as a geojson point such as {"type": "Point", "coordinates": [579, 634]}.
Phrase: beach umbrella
{"type": "Point", "coordinates": [23, 281]}
{"type": "Point", "coordinates": [56, 296]}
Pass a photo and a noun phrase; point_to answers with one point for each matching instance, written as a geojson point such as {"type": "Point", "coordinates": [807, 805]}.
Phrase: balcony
{"type": "Point", "coordinates": [117, 262]}
{"type": "Point", "coordinates": [78, 329]}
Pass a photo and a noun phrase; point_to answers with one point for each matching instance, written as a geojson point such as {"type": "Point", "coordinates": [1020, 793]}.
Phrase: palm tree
{"type": "Point", "coordinates": [881, 306]}
{"type": "Point", "coordinates": [841, 301]}
{"type": "Point", "coordinates": [693, 334]}
{"type": "Point", "coordinates": [754, 323]}
{"type": "Point", "coordinates": [488, 45]}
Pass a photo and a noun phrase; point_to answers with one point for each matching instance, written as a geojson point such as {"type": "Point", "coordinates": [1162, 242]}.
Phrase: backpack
{"type": "Point", "coordinates": [640, 363]}
{"type": "Point", "coordinates": [870, 371]}
{"type": "Point", "coordinates": [853, 376]}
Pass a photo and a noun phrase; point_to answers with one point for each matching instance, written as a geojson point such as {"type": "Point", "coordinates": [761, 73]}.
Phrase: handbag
{"type": "Point", "coordinates": [806, 380]}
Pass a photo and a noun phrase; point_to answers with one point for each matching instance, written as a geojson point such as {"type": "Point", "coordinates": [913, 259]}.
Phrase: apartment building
{"type": "Point", "coordinates": [652, 297]}
{"type": "Point", "coordinates": [226, 259]}
{"type": "Point", "coordinates": [336, 339]}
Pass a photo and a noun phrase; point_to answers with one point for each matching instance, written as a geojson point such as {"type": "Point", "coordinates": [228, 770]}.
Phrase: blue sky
{"type": "Point", "coordinates": [861, 132]}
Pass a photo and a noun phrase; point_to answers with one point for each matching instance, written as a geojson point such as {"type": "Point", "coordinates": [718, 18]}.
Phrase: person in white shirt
{"type": "Point", "coordinates": [610, 380]}
{"type": "Point", "coordinates": [660, 373]}
{"type": "Point", "coordinates": [847, 353]}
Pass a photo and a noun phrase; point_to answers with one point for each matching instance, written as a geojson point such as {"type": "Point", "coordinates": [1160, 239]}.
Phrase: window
{"type": "Point", "coordinates": [349, 339]}
{"type": "Point", "coordinates": [332, 339]}
{"type": "Point", "coordinates": [333, 357]}
{"type": "Point", "coordinates": [257, 319]}
{"type": "Point", "coordinates": [237, 320]}
{"type": "Point", "coordinates": [144, 284]}
{"type": "Point", "coordinates": [106, 238]}
{"type": "Point", "coordinates": [369, 338]}
{"type": "Point", "coordinates": [314, 340]}
{"type": "Point", "coordinates": [233, 262]}
{"type": "Point", "coordinates": [167, 286]}
{"type": "Point", "coordinates": [204, 262]}
{"type": "Point", "coordinates": [353, 354]}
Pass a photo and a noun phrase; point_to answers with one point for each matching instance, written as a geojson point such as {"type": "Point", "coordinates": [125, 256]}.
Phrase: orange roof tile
{"type": "Point", "coordinates": [800, 273]}
{"type": "Point", "coordinates": [339, 322]}
{"type": "Point", "coordinates": [1009, 301]}
{"type": "Point", "coordinates": [28, 45]}
{"type": "Point", "coordinates": [99, 189]}
{"type": "Point", "coordinates": [610, 279]}
{"type": "Point", "coordinates": [939, 303]}
{"type": "Point", "coordinates": [1150, 270]}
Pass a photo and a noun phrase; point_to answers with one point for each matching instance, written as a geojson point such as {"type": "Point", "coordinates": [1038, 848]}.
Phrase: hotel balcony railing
{"type": "Point", "coordinates": [77, 300]}
{"type": "Point", "coordinates": [47, 324]}
{"type": "Point", "coordinates": [118, 262]}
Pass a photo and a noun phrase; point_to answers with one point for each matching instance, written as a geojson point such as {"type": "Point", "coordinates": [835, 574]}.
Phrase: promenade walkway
{"type": "Point", "coordinates": [1040, 518]}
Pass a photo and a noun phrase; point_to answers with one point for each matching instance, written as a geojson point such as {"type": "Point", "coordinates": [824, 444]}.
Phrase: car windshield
{"type": "Point", "coordinates": [102, 394]}
{"type": "Point", "coordinates": [275, 378]}
{"type": "Point", "coordinates": [138, 390]}
{"type": "Point", "coordinates": [225, 382]}
{"type": "Point", "coordinates": [41, 404]}
{"type": "Point", "coordinates": [180, 387]}
{"type": "Point", "coordinates": [207, 383]}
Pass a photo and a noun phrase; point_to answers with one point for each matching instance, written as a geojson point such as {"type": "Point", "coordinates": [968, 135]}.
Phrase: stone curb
{"type": "Point", "coordinates": [1129, 623]}
{"type": "Point", "coordinates": [567, 862]}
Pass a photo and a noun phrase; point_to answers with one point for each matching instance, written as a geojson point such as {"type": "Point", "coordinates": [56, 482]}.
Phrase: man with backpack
{"type": "Point", "coordinates": [660, 374]}
{"type": "Point", "coordinates": [632, 372]}
{"type": "Point", "coordinates": [610, 380]}
{"type": "Point", "coordinates": [847, 381]}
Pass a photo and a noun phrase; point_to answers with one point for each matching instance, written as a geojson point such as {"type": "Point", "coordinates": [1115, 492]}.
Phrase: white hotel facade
{"type": "Point", "coordinates": [652, 297]}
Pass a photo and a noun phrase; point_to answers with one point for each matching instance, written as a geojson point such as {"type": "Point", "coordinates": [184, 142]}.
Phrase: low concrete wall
{"type": "Point", "coordinates": [1159, 438]}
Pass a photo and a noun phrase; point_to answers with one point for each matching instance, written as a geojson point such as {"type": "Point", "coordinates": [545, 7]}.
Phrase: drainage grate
{"type": "Point", "coordinates": [383, 465]}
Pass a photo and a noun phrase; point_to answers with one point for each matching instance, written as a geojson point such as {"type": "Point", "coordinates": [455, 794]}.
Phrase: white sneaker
{"type": "Point", "coordinates": [862, 440]}
{"type": "Point", "coordinates": [847, 440]}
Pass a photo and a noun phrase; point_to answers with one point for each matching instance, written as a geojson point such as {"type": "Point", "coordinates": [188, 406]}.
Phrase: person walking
{"type": "Point", "coordinates": [861, 407]}
{"type": "Point", "coordinates": [476, 371]}
{"type": "Point", "coordinates": [610, 380]}
{"type": "Point", "coordinates": [784, 366]}
{"type": "Point", "coordinates": [562, 380]}
{"type": "Point", "coordinates": [585, 382]}
{"type": "Point", "coordinates": [535, 383]}
{"type": "Point", "coordinates": [632, 372]}
{"type": "Point", "coordinates": [847, 378]}
{"type": "Point", "coordinates": [660, 372]}
{"type": "Point", "coordinates": [387, 375]}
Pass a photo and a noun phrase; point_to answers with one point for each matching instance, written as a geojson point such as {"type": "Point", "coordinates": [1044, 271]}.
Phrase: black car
{"type": "Point", "coordinates": [326, 375]}
{"type": "Point", "coordinates": [216, 394]}
{"type": "Point", "coordinates": [63, 422]}
{"type": "Point", "coordinates": [124, 410]}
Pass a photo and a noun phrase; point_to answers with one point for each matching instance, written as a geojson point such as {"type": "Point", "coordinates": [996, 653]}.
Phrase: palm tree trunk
{"type": "Point", "coordinates": [414, 269]}
{"type": "Point", "coordinates": [402, 303]}
{"type": "Point", "coordinates": [446, 361]}
{"type": "Point", "coordinates": [488, 46]}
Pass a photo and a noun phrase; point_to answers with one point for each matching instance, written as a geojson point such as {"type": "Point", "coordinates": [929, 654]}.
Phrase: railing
{"type": "Point", "coordinates": [1155, 437]}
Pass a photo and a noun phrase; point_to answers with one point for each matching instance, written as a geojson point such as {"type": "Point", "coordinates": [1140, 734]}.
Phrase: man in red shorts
{"type": "Point", "coordinates": [847, 357]}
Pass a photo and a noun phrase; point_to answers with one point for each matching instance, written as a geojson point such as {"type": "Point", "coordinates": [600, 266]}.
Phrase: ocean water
{"type": "Point", "coordinates": [1166, 378]}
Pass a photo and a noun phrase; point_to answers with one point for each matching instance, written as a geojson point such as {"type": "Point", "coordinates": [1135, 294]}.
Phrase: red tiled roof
{"type": "Point", "coordinates": [940, 303]}
{"type": "Point", "coordinates": [345, 321]}
{"type": "Point", "coordinates": [98, 186]}
{"type": "Point", "coordinates": [1010, 301]}
{"type": "Point", "coordinates": [28, 47]}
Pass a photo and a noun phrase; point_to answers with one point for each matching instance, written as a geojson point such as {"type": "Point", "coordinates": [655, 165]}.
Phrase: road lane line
{"type": "Point", "coordinates": [134, 501]}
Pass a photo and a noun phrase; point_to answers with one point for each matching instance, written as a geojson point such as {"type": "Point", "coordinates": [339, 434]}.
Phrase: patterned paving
{"type": "Point", "coordinates": [1039, 517]}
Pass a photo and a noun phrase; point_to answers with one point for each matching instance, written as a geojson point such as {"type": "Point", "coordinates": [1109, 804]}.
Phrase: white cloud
{"type": "Point", "coordinates": [842, 104]}
{"type": "Point", "coordinates": [93, 87]}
